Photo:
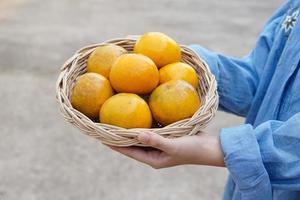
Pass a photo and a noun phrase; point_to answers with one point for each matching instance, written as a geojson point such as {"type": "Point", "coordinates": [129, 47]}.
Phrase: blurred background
{"type": "Point", "coordinates": [43, 157]}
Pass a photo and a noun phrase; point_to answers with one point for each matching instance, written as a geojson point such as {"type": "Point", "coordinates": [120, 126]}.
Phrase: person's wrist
{"type": "Point", "coordinates": [210, 151]}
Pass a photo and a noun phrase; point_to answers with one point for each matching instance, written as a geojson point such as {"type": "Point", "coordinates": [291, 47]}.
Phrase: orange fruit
{"type": "Point", "coordinates": [173, 101]}
{"type": "Point", "coordinates": [178, 71]}
{"type": "Point", "coordinates": [89, 93]}
{"type": "Point", "coordinates": [134, 73]}
{"type": "Point", "coordinates": [126, 110]}
{"type": "Point", "coordinates": [102, 58]}
{"type": "Point", "coordinates": [159, 47]}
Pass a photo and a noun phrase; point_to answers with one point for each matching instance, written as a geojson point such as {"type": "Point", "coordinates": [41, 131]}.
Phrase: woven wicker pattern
{"type": "Point", "coordinates": [113, 135]}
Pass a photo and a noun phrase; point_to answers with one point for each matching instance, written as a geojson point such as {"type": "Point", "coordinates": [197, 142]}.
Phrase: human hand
{"type": "Point", "coordinates": [202, 149]}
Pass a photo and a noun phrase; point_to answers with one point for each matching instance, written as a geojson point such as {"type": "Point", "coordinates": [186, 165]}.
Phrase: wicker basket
{"type": "Point", "coordinates": [117, 136]}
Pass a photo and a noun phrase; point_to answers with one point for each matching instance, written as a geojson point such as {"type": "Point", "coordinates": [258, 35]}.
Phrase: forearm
{"type": "Point", "coordinates": [210, 151]}
{"type": "Point", "coordinates": [203, 149]}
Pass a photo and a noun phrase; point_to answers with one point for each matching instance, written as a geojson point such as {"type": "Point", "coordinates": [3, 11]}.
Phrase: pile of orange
{"type": "Point", "coordinates": [133, 90]}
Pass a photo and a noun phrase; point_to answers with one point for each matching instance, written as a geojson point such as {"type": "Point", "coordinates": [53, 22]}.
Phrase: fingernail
{"type": "Point", "coordinates": [144, 138]}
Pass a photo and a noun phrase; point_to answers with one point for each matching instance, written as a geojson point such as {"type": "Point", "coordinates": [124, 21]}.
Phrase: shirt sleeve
{"type": "Point", "coordinates": [265, 156]}
{"type": "Point", "coordinates": [238, 78]}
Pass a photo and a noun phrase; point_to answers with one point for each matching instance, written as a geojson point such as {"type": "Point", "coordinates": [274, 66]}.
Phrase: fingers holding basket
{"type": "Point", "coordinates": [156, 141]}
{"type": "Point", "coordinates": [150, 156]}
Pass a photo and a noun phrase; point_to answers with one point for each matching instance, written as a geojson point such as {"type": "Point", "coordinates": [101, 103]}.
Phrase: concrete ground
{"type": "Point", "coordinates": [44, 158]}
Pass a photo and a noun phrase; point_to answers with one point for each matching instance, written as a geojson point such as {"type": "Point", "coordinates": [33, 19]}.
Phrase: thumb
{"type": "Point", "coordinates": [156, 141]}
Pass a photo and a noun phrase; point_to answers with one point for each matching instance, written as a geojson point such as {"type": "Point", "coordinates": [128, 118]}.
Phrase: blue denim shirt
{"type": "Point", "coordinates": [263, 155]}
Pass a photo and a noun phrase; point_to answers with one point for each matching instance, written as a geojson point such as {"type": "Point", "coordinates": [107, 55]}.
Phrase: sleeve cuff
{"type": "Point", "coordinates": [242, 157]}
{"type": "Point", "coordinates": [209, 57]}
